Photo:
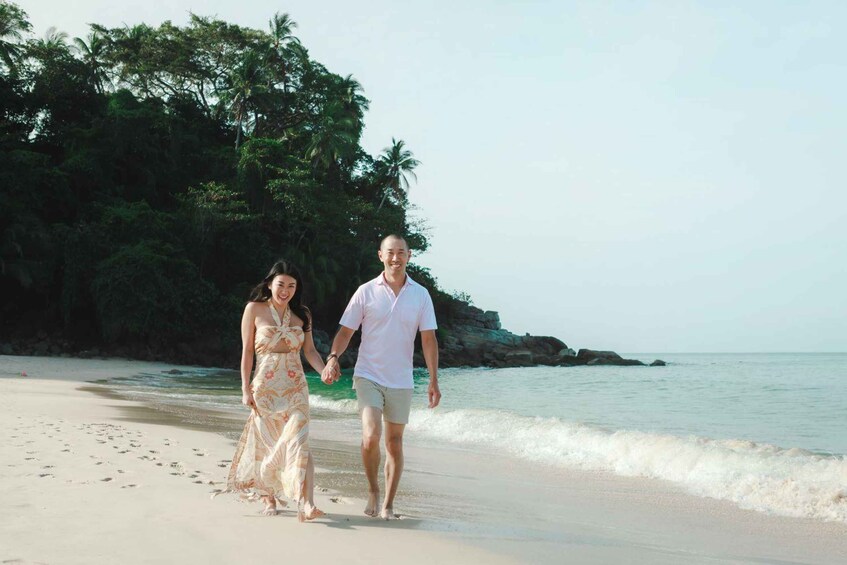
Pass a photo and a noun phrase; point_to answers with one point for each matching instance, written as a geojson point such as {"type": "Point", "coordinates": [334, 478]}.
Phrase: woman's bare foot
{"type": "Point", "coordinates": [388, 514]}
{"type": "Point", "coordinates": [311, 512]}
{"type": "Point", "coordinates": [373, 500]}
{"type": "Point", "coordinates": [270, 506]}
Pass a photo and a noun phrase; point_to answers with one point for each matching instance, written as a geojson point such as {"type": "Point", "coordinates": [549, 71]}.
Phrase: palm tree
{"type": "Point", "coordinates": [281, 27]}
{"type": "Point", "coordinates": [53, 40]}
{"type": "Point", "coordinates": [244, 86]}
{"type": "Point", "coordinates": [92, 53]}
{"type": "Point", "coordinates": [350, 92]}
{"type": "Point", "coordinates": [13, 24]}
{"type": "Point", "coordinates": [392, 167]}
{"type": "Point", "coordinates": [333, 137]}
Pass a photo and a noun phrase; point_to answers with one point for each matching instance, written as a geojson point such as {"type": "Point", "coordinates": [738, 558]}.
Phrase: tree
{"type": "Point", "coordinates": [392, 167]}
{"type": "Point", "coordinates": [92, 54]}
{"type": "Point", "coordinates": [13, 25]}
{"type": "Point", "coordinates": [245, 85]}
{"type": "Point", "coordinates": [333, 137]}
{"type": "Point", "coordinates": [281, 27]}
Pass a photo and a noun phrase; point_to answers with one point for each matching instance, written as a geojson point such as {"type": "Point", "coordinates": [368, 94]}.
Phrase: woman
{"type": "Point", "coordinates": [272, 458]}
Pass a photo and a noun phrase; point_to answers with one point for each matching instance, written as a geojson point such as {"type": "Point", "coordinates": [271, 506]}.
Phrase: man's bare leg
{"type": "Point", "coordinates": [393, 466]}
{"type": "Point", "coordinates": [371, 433]}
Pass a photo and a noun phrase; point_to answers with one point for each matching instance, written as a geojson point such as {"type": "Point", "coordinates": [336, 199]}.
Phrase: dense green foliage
{"type": "Point", "coordinates": [150, 176]}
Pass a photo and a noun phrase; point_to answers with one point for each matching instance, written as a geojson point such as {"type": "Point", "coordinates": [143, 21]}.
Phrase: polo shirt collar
{"type": "Point", "coordinates": [380, 280]}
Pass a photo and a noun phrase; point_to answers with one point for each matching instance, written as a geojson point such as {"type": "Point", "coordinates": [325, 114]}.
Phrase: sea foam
{"type": "Point", "coordinates": [761, 477]}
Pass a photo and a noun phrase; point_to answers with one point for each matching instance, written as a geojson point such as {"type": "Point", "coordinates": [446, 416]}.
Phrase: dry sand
{"type": "Point", "coordinates": [79, 484]}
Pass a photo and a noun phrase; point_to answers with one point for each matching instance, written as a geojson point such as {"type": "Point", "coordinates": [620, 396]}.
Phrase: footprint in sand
{"type": "Point", "coordinates": [99, 463]}
{"type": "Point", "coordinates": [106, 480]}
{"type": "Point", "coordinates": [30, 459]}
{"type": "Point", "coordinates": [130, 486]}
{"type": "Point", "coordinates": [48, 466]}
{"type": "Point", "coordinates": [66, 451]}
{"type": "Point", "coordinates": [222, 465]}
{"type": "Point", "coordinates": [42, 475]}
{"type": "Point", "coordinates": [153, 451]}
{"type": "Point", "coordinates": [159, 464]}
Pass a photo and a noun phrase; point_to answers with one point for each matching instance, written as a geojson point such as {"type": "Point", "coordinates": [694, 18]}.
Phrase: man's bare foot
{"type": "Point", "coordinates": [270, 506]}
{"type": "Point", "coordinates": [373, 500]}
{"type": "Point", "coordinates": [388, 514]}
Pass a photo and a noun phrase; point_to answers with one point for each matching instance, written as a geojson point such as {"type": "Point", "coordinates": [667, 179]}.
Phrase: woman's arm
{"type": "Point", "coordinates": [248, 329]}
{"type": "Point", "coordinates": [311, 354]}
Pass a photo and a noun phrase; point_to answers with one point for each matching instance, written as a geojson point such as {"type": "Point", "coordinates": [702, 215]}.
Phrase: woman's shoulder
{"type": "Point", "coordinates": [254, 306]}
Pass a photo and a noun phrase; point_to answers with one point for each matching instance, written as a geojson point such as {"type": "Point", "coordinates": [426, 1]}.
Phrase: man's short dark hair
{"type": "Point", "coordinates": [394, 236]}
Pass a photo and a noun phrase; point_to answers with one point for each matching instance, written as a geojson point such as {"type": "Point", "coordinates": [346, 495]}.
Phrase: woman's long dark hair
{"type": "Point", "coordinates": [262, 293]}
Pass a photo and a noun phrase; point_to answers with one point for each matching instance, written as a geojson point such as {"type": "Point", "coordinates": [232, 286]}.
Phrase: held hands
{"type": "Point", "coordinates": [434, 394]}
{"type": "Point", "coordinates": [331, 372]}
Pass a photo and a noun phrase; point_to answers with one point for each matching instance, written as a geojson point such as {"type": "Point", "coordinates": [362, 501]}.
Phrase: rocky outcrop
{"type": "Point", "coordinates": [471, 338]}
{"type": "Point", "coordinates": [476, 338]}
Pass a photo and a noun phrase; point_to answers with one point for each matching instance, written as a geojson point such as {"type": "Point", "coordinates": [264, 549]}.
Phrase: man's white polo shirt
{"type": "Point", "coordinates": [389, 326]}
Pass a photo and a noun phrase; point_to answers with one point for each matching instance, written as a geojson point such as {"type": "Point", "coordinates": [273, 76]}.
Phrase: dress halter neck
{"type": "Point", "coordinates": [286, 316]}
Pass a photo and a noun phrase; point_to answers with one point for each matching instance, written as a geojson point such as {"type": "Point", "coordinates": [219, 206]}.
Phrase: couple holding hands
{"type": "Point", "coordinates": [272, 458]}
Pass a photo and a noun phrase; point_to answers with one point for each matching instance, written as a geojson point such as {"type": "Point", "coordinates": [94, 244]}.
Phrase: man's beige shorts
{"type": "Point", "coordinates": [395, 403]}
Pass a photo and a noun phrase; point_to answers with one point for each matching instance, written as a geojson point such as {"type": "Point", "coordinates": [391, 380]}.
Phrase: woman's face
{"type": "Point", "coordinates": [283, 288]}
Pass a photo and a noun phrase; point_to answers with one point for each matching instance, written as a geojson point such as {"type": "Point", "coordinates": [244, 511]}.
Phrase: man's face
{"type": "Point", "coordinates": [394, 255]}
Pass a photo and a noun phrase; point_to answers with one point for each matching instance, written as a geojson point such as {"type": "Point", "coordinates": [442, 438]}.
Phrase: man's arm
{"type": "Point", "coordinates": [429, 343]}
{"type": "Point", "coordinates": [332, 371]}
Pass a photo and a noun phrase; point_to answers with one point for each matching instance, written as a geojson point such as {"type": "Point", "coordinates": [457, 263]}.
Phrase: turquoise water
{"type": "Point", "coordinates": [765, 431]}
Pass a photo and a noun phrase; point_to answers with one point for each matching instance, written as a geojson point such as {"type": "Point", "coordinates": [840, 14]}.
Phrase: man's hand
{"type": "Point", "coordinates": [331, 372]}
{"type": "Point", "coordinates": [434, 394]}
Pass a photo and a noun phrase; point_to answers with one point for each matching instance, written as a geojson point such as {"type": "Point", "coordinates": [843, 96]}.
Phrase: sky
{"type": "Point", "coordinates": [637, 176]}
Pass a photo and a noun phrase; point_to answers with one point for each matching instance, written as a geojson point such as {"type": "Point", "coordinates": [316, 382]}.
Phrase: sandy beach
{"type": "Point", "coordinates": [82, 485]}
{"type": "Point", "coordinates": [88, 477]}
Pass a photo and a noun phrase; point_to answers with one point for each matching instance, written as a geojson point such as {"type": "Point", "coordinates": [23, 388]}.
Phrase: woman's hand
{"type": "Point", "coordinates": [331, 371]}
{"type": "Point", "coordinates": [247, 400]}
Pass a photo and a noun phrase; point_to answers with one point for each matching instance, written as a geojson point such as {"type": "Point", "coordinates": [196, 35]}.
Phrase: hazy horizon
{"type": "Point", "coordinates": [634, 176]}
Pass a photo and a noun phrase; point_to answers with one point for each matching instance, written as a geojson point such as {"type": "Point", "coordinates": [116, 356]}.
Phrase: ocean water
{"type": "Point", "coordinates": [767, 432]}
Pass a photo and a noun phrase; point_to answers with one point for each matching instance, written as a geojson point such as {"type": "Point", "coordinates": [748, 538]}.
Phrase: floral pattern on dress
{"type": "Point", "coordinates": [273, 451]}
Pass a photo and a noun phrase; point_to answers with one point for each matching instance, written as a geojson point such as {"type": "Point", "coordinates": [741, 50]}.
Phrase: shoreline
{"type": "Point", "coordinates": [498, 508]}
{"type": "Point", "coordinates": [77, 465]}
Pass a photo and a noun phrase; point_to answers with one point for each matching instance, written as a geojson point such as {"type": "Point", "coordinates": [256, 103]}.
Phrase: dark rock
{"type": "Point", "coordinates": [658, 363]}
{"type": "Point", "coordinates": [589, 354]}
{"type": "Point", "coordinates": [546, 359]}
{"type": "Point", "coordinates": [6, 349]}
{"type": "Point", "coordinates": [174, 372]}
{"type": "Point", "coordinates": [522, 358]}
{"type": "Point", "coordinates": [567, 352]}
{"type": "Point", "coordinates": [629, 363]}
{"type": "Point", "coordinates": [592, 357]}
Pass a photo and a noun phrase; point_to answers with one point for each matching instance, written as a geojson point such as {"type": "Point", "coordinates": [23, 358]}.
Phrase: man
{"type": "Point", "coordinates": [390, 309]}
